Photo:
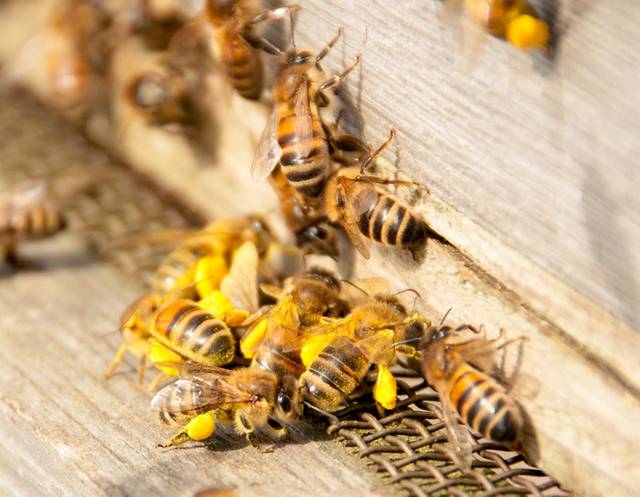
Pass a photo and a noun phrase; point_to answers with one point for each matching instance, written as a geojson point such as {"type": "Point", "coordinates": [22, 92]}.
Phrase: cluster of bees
{"type": "Point", "coordinates": [241, 333]}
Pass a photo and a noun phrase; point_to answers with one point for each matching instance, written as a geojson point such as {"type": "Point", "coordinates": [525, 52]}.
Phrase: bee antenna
{"type": "Point", "coordinates": [414, 291]}
{"type": "Point", "coordinates": [446, 314]}
{"type": "Point", "coordinates": [292, 23]}
{"type": "Point", "coordinates": [333, 417]}
{"type": "Point", "coordinates": [355, 286]}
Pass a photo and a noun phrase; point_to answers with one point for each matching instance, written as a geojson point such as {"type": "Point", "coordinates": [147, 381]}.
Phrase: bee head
{"type": "Point", "coordinates": [435, 334]}
{"type": "Point", "coordinates": [393, 302]}
{"type": "Point", "coordinates": [298, 57]}
{"type": "Point", "coordinates": [288, 401]}
{"type": "Point", "coordinates": [318, 238]}
{"type": "Point", "coordinates": [324, 277]}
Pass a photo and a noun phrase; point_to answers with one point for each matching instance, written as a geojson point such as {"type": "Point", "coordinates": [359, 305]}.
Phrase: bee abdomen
{"type": "Point", "coordinates": [334, 374]}
{"type": "Point", "coordinates": [175, 266]}
{"type": "Point", "coordinates": [484, 405]}
{"type": "Point", "coordinates": [392, 223]}
{"type": "Point", "coordinates": [38, 222]}
{"type": "Point", "coordinates": [244, 69]}
{"type": "Point", "coordinates": [278, 362]}
{"type": "Point", "coordinates": [198, 335]}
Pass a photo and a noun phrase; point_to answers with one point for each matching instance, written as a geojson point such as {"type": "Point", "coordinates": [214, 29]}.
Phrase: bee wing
{"type": "Point", "coordinates": [458, 434]}
{"type": "Point", "coordinates": [362, 290]}
{"type": "Point", "coordinates": [240, 285]}
{"type": "Point", "coordinates": [268, 152]}
{"type": "Point", "coordinates": [185, 398]}
{"type": "Point", "coordinates": [303, 120]}
{"type": "Point", "coordinates": [25, 195]}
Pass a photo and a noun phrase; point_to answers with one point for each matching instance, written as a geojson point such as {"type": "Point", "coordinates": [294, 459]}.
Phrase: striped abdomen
{"type": "Point", "coordinates": [194, 333]}
{"type": "Point", "coordinates": [484, 405]}
{"type": "Point", "coordinates": [305, 157]}
{"type": "Point", "coordinates": [281, 362]}
{"type": "Point", "coordinates": [335, 374]}
{"type": "Point", "coordinates": [176, 266]}
{"type": "Point", "coordinates": [242, 65]}
{"type": "Point", "coordinates": [180, 401]}
{"type": "Point", "coordinates": [36, 222]}
{"type": "Point", "coordinates": [392, 223]}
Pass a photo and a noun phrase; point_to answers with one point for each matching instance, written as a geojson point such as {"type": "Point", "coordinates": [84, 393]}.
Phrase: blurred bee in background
{"type": "Point", "coordinates": [158, 21]}
{"type": "Point", "coordinates": [457, 370]}
{"type": "Point", "coordinates": [515, 21]}
{"type": "Point", "coordinates": [244, 397]}
{"type": "Point", "coordinates": [165, 96]}
{"type": "Point", "coordinates": [295, 139]}
{"type": "Point", "coordinates": [356, 201]}
{"type": "Point", "coordinates": [76, 54]}
{"type": "Point", "coordinates": [27, 212]}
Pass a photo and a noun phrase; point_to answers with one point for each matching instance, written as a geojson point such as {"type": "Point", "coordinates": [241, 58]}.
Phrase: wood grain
{"type": "Point", "coordinates": [67, 431]}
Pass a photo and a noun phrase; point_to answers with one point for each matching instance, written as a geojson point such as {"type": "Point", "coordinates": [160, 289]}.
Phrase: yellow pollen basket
{"type": "Point", "coordinates": [312, 347]}
{"type": "Point", "coordinates": [158, 353]}
{"type": "Point", "coordinates": [201, 427]}
{"type": "Point", "coordinates": [221, 307]}
{"type": "Point", "coordinates": [254, 337]}
{"type": "Point", "coordinates": [385, 391]}
{"type": "Point", "coordinates": [209, 272]}
{"type": "Point", "coordinates": [526, 31]}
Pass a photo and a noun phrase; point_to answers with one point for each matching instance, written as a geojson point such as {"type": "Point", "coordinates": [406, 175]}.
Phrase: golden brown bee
{"type": "Point", "coordinates": [515, 21]}
{"type": "Point", "coordinates": [452, 368]}
{"type": "Point", "coordinates": [217, 240]}
{"type": "Point", "coordinates": [294, 137]}
{"type": "Point", "coordinates": [232, 22]}
{"type": "Point", "coordinates": [163, 96]}
{"type": "Point", "coordinates": [313, 234]}
{"type": "Point", "coordinates": [245, 397]}
{"type": "Point", "coordinates": [27, 213]}
{"type": "Point", "coordinates": [75, 30]}
{"type": "Point", "coordinates": [355, 200]}
{"type": "Point", "coordinates": [339, 354]}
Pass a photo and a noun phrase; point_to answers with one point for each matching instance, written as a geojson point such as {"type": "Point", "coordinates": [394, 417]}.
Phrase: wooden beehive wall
{"type": "Point", "coordinates": [530, 165]}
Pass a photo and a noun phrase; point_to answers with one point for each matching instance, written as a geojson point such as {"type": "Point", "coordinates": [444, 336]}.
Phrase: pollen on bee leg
{"type": "Point", "coordinates": [158, 354]}
{"type": "Point", "coordinates": [252, 340]}
{"type": "Point", "coordinates": [222, 308]}
{"type": "Point", "coordinates": [386, 388]}
{"type": "Point", "coordinates": [526, 31]}
{"type": "Point", "coordinates": [210, 270]}
{"type": "Point", "coordinates": [201, 427]}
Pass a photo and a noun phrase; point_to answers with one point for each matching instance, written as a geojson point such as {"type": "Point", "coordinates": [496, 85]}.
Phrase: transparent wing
{"type": "Point", "coordinates": [197, 394]}
{"type": "Point", "coordinates": [268, 152]}
{"type": "Point", "coordinates": [25, 195]}
{"type": "Point", "coordinates": [362, 200]}
{"type": "Point", "coordinates": [458, 434]}
{"type": "Point", "coordinates": [303, 118]}
{"type": "Point", "coordinates": [240, 285]}
{"type": "Point", "coordinates": [360, 291]}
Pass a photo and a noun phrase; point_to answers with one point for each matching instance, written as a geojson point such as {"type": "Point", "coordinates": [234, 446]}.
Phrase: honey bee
{"type": "Point", "coordinates": [74, 31]}
{"type": "Point", "coordinates": [355, 201]}
{"type": "Point", "coordinates": [515, 21]}
{"type": "Point", "coordinates": [294, 138]}
{"type": "Point", "coordinates": [163, 96]}
{"type": "Point", "coordinates": [313, 234]}
{"type": "Point", "coordinates": [27, 213]}
{"type": "Point", "coordinates": [455, 370]}
{"type": "Point", "coordinates": [242, 66]}
{"type": "Point", "coordinates": [211, 246]}
{"type": "Point", "coordinates": [170, 329]}
{"type": "Point", "coordinates": [245, 397]}
{"type": "Point", "coordinates": [339, 354]}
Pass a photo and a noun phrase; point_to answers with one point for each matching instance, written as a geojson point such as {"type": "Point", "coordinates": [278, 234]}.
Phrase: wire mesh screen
{"type": "Point", "coordinates": [106, 203]}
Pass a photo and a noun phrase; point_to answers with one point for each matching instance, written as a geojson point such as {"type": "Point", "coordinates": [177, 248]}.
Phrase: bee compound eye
{"type": "Point", "coordinates": [284, 402]}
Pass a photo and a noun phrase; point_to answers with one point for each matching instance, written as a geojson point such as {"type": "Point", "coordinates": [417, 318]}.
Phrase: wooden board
{"type": "Point", "coordinates": [67, 431]}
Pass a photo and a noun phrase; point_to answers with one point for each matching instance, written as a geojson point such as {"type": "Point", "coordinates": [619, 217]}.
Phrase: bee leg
{"type": "Point", "coordinates": [117, 360]}
{"type": "Point", "coordinates": [323, 53]}
{"type": "Point", "coordinates": [153, 386]}
{"type": "Point", "coordinates": [246, 426]}
{"type": "Point", "coordinates": [335, 80]}
{"type": "Point", "coordinates": [142, 365]}
{"type": "Point", "coordinates": [199, 428]}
